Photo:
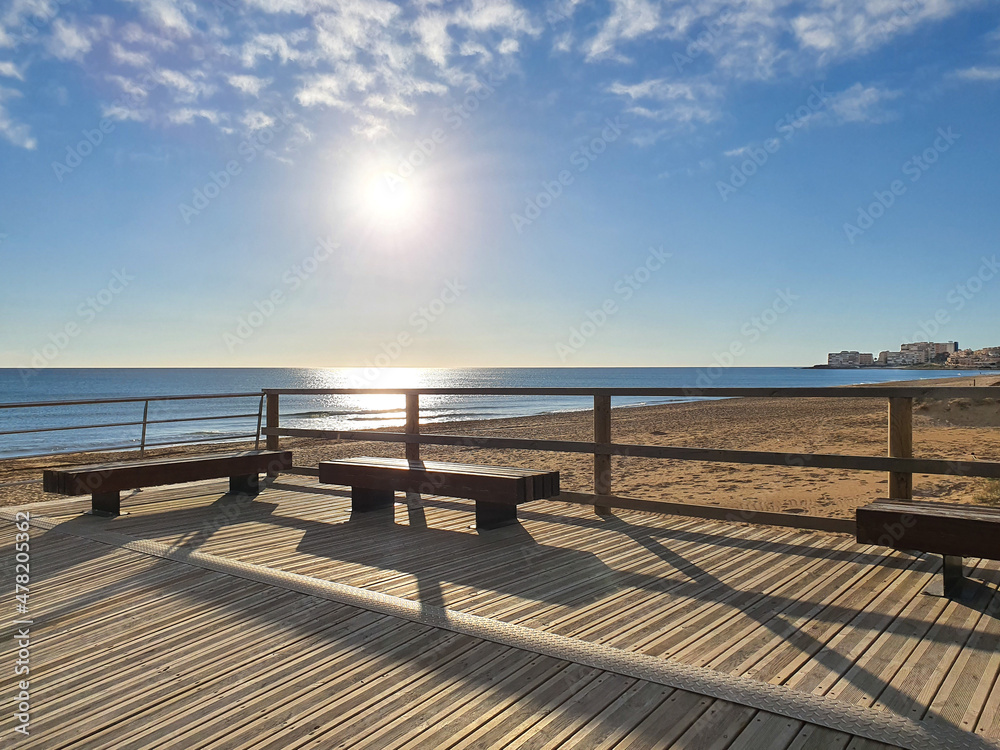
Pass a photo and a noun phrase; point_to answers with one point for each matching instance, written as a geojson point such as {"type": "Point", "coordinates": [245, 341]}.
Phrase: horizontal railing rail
{"type": "Point", "coordinates": [126, 400]}
{"type": "Point", "coordinates": [142, 444]}
{"type": "Point", "coordinates": [837, 391]}
{"type": "Point", "coordinates": [900, 463]}
{"type": "Point", "coordinates": [716, 455]}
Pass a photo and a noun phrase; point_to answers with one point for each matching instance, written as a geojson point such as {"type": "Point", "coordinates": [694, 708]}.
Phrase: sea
{"type": "Point", "coordinates": [40, 429]}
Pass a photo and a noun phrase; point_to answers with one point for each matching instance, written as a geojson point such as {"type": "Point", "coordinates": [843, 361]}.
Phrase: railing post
{"type": "Point", "coordinates": [272, 421]}
{"type": "Point", "coordinates": [602, 462]}
{"type": "Point", "coordinates": [900, 446]}
{"type": "Point", "coordinates": [413, 425]}
{"type": "Point", "coordinates": [142, 440]}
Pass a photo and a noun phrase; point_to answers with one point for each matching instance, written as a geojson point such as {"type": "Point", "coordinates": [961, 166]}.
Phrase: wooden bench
{"type": "Point", "coordinates": [950, 530]}
{"type": "Point", "coordinates": [104, 482]}
{"type": "Point", "coordinates": [497, 490]}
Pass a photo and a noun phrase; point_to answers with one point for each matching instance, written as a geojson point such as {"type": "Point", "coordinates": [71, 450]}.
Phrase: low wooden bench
{"type": "Point", "coordinates": [497, 490]}
{"type": "Point", "coordinates": [104, 482]}
{"type": "Point", "coordinates": [950, 530]}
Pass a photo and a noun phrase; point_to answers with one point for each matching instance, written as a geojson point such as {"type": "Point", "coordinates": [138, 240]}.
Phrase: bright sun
{"type": "Point", "coordinates": [390, 202]}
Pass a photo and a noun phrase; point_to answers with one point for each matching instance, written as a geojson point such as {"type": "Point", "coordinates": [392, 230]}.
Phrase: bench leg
{"type": "Point", "coordinates": [495, 515]}
{"type": "Point", "coordinates": [248, 484]}
{"type": "Point", "coordinates": [953, 576]}
{"type": "Point", "coordinates": [364, 500]}
{"type": "Point", "coordinates": [106, 504]}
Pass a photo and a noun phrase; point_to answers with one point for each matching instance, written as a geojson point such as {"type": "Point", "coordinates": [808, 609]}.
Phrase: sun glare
{"type": "Point", "coordinates": [390, 203]}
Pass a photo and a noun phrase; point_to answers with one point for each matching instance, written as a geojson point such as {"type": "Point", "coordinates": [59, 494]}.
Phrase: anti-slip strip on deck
{"type": "Point", "coordinates": [776, 699]}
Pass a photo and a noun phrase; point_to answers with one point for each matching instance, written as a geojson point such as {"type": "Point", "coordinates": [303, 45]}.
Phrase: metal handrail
{"type": "Point", "coordinates": [145, 422]}
{"type": "Point", "coordinates": [126, 400]}
{"type": "Point", "coordinates": [128, 424]}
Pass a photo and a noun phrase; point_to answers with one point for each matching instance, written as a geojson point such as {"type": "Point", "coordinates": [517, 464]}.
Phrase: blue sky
{"type": "Point", "coordinates": [317, 183]}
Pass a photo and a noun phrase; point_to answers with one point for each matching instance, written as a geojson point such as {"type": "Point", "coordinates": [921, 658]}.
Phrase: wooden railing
{"type": "Point", "coordinates": [899, 462]}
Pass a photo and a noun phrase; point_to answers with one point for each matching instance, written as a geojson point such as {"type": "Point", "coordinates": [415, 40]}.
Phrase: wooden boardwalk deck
{"type": "Point", "coordinates": [132, 649]}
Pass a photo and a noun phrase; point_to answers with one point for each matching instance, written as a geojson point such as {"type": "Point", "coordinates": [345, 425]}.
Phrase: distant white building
{"type": "Point", "coordinates": [845, 359]}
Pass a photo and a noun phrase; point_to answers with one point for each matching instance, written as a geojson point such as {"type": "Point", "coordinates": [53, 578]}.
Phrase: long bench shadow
{"type": "Point", "coordinates": [507, 560]}
{"type": "Point", "coordinates": [763, 608]}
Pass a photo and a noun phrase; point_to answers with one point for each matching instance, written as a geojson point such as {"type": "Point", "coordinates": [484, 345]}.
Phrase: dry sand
{"type": "Point", "coordinates": [958, 429]}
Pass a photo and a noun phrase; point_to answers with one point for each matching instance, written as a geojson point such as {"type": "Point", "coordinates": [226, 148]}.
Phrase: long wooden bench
{"type": "Point", "coordinates": [104, 482]}
{"type": "Point", "coordinates": [497, 490]}
{"type": "Point", "coordinates": [950, 530]}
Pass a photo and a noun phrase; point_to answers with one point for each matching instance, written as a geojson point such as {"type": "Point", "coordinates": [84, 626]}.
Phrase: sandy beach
{"type": "Point", "coordinates": [957, 429]}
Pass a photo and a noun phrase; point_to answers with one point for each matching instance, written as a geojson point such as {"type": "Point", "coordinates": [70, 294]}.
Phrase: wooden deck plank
{"type": "Point", "coordinates": [917, 680]}
{"type": "Point", "coordinates": [767, 731]}
{"type": "Point", "coordinates": [427, 711]}
{"type": "Point", "coordinates": [968, 684]}
{"type": "Point", "coordinates": [662, 727]}
{"type": "Point", "coordinates": [839, 653]}
{"type": "Point", "coordinates": [501, 730]}
{"type": "Point", "coordinates": [717, 728]}
{"type": "Point", "coordinates": [462, 719]}
{"type": "Point", "coordinates": [369, 707]}
{"type": "Point", "coordinates": [777, 663]}
{"type": "Point", "coordinates": [607, 728]}
{"type": "Point", "coordinates": [802, 608]}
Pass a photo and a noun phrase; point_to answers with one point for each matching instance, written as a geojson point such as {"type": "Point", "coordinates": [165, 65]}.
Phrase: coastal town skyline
{"type": "Point", "coordinates": [919, 354]}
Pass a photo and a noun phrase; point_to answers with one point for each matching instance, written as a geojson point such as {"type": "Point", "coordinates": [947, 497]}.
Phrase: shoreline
{"type": "Point", "coordinates": [854, 426]}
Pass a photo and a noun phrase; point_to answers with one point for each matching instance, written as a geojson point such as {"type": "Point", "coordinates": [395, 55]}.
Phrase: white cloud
{"type": "Point", "coordinates": [855, 26]}
{"type": "Point", "coordinates": [435, 41]}
{"type": "Point", "coordinates": [187, 88]}
{"type": "Point", "coordinates": [135, 34]}
{"type": "Point", "coordinates": [672, 101]}
{"type": "Point", "coordinates": [187, 116]}
{"type": "Point", "coordinates": [129, 57]}
{"type": "Point", "coordinates": [248, 84]}
{"type": "Point", "coordinates": [979, 74]}
{"type": "Point", "coordinates": [629, 19]}
{"type": "Point", "coordinates": [70, 41]}
{"type": "Point", "coordinates": [273, 46]}
{"type": "Point", "coordinates": [168, 15]}
{"type": "Point", "coordinates": [9, 70]}
{"type": "Point", "coordinates": [120, 112]}
{"type": "Point", "coordinates": [257, 120]}
{"type": "Point", "coordinates": [861, 103]}
{"type": "Point", "coordinates": [322, 89]}
{"type": "Point", "coordinates": [17, 133]}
